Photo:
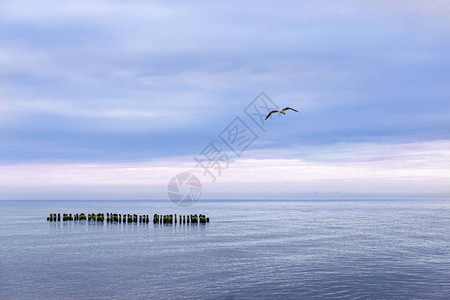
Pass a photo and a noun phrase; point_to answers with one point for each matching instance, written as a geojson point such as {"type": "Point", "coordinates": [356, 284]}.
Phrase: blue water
{"type": "Point", "coordinates": [267, 249]}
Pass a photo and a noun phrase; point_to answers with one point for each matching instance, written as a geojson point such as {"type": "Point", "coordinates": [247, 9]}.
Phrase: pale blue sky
{"type": "Point", "coordinates": [147, 85]}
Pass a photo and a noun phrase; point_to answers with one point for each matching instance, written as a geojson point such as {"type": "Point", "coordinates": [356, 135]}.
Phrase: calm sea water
{"type": "Point", "coordinates": [265, 249]}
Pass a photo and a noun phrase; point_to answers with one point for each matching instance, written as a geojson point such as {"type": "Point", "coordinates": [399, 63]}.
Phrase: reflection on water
{"type": "Point", "coordinates": [309, 249]}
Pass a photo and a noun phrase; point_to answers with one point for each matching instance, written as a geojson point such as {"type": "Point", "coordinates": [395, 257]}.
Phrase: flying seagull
{"type": "Point", "coordinates": [281, 111]}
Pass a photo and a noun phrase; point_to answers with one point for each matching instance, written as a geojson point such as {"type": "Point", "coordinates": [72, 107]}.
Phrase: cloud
{"type": "Point", "coordinates": [43, 11]}
{"type": "Point", "coordinates": [88, 86]}
{"type": "Point", "coordinates": [405, 168]}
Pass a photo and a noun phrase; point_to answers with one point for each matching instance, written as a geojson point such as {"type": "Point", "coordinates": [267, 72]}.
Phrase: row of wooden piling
{"type": "Point", "coordinates": [130, 218]}
{"type": "Point", "coordinates": [171, 219]}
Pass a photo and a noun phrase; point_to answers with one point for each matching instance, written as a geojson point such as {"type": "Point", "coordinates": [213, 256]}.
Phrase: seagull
{"type": "Point", "coordinates": [281, 111]}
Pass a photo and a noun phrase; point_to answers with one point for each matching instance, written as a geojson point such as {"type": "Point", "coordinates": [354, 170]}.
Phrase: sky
{"type": "Point", "coordinates": [111, 99]}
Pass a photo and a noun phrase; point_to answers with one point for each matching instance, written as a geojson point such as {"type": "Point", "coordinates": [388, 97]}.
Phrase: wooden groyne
{"type": "Point", "coordinates": [129, 218]}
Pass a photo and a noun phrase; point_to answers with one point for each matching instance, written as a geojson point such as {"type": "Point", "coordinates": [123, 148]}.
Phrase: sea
{"type": "Point", "coordinates": [277, 249]}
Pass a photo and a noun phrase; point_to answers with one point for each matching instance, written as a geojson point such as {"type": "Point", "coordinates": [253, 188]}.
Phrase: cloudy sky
{"type": "Point", "coordinates": [110, 99]}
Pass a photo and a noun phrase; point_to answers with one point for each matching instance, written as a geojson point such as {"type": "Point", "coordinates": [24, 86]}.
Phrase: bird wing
{"type": "Point", "coordinates": [287, 108]}
{"type": "Point", "coordinates": [273, 111]}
